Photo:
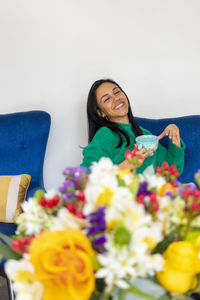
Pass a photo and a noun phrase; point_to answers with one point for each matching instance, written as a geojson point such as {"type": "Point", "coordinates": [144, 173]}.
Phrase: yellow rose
{"type": "Point", "coordinates": [62, 262]}
{"type": "Point", "coordinates": [180, 268]}
{"type": "Point", "coordinates": [167, 187]}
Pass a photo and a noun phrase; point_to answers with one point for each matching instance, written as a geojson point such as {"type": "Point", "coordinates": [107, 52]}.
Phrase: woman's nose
{"type": "Point", "coordinates": [116, 97]}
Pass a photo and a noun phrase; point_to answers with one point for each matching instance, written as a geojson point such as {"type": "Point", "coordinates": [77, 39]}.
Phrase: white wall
{"type": "Point", "coordinates": [52, 51]}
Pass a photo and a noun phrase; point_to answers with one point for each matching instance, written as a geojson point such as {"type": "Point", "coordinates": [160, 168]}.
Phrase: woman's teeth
{"type": "Point", "coordinates": [118, 106]}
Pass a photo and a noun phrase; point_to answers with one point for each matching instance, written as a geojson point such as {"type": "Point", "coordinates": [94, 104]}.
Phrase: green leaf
{"type": "Point", "coordinates": [39, 194]}
{"type": "Point", "coordinates": [133, 186]}
{"type": "Point", "coordinates": [134, 290]}
{"type": "Point", "coordinates": [164, 297]}
{"type": "Point", "coordinates": [6, 239]}
{"type": "Point", "coordinates": [7, 253]}
{"type": "Point", "coordinates": [121, 182]}
{"type": "Point", "coordinates": [162, 246]}
{"type": "Point", "coordinates": [95, 263]}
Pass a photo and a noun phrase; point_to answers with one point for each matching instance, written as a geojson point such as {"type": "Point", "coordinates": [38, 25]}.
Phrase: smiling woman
{"type": "Point", "coordinates": [113, 130]}
{"type": "Point", "coordinates": [112, 103]}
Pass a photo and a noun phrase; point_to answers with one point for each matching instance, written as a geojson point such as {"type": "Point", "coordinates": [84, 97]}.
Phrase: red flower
{"type": "Point", "coordinates": [165, 166]}
{"type": "Point", "coordinates": [81, 195]}
{"type": "Point", "coordinates": [72, 207]}
{"type": "Point", "coordinates": [159, 170]}
{"type": "Point", "coordinates": [128, 154]}
{"type": "Point", "coordinates": [152, 198]}
{"type": "Point", "coordinates": [43, 202]}
{"type": "Point", "coordinates": [186, 192]}
{"type": "Point", "coordinates": [140, 199]}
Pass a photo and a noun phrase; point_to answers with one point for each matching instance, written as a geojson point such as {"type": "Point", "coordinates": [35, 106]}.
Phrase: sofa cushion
{"type": "Point", "coordinates": [13, 191]}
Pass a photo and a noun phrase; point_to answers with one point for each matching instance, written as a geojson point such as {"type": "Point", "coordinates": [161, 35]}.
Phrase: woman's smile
{"type": "Point", "coordinates": [119, 105]}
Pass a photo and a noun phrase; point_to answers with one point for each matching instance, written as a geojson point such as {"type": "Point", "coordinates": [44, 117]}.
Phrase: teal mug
{"type": "Point", "coordinates": [147, 141]}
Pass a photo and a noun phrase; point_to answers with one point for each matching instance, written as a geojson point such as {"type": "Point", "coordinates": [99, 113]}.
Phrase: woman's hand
{"type": "Point", "coordinates": [125, 165]}
{"type": "Point", "coordinates": [144, 153]}
{"type": "Point", "coordinates": [172, 131]}
{"type": "Point", "coordinates": [141, 153]}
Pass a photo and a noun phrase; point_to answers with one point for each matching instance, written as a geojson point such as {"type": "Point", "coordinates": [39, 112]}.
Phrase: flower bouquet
{"type": "Point", "coordinates": [109, 234]}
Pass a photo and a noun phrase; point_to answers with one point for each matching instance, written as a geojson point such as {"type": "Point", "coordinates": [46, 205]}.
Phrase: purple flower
{"type": "Point", "coordinates": [67, 196]}
{"type": "Point", "coordinates": [168, 193]}
{"type": "Point", "coordinates": [143, 189]}
{"type": "Point", "coordinates": [180, 189]}
{"type": "Point", "coordinates": [99, 241]}
{"type": "Point", "coordinates": [97, 228]}
{"type": "Point", "coordinates": [66, 186]}
{"type": "Point", "coordinates": [79, 172]}
{"type": "Point", "coordinates": [75, 172]}
{"type": "Point", "coordinates": [97, 221]}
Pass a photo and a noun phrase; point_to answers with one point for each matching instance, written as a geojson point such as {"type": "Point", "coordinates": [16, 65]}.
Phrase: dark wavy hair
{"type": "Point", "coordinates": [95, 121]}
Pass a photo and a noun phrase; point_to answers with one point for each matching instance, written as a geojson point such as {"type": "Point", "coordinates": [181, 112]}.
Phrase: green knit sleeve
{"type": "Point", "coordinates": [103, 144]}
{"type": "Point", "coordinates": [173, 155]}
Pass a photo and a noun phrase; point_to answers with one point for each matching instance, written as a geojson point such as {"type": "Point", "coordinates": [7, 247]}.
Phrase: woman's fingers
{"type": "Point", "coordinates": [172, 131]}
{"type": "Point", "coordinates": [174, 135]}
{"type": "Point", "coordinates": [161, 135]}
{"type": "Point", "coordinates": [149, 153]}
{"type": "Point", "coordinates": [144, 153]}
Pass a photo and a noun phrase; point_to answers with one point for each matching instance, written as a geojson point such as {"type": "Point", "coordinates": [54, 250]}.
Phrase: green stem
{"type": "Point", "coordinates": [190, 219]}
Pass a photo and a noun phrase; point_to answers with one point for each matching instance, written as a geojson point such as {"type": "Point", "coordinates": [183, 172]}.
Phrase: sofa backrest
{"type": "Point", "coordinates": [23, 140]}
{"type": "Point", "coordinates": [190, 133]}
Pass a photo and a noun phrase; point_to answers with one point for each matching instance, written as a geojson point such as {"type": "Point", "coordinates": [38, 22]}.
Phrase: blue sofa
{"type": "Point", "coordinates": [23, 140]}
{"type": "Point", "coordinates": [190, 133]}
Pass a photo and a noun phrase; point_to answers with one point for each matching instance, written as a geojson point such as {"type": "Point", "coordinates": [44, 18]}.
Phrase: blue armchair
{"type": "Point", "coordinates": [190, 133]}
{"type": "Point", "coordinates": [23, 140]}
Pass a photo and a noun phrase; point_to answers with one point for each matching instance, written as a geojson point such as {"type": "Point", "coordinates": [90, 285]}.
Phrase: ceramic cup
{"type": "Point", "coordinates": [147, 141]}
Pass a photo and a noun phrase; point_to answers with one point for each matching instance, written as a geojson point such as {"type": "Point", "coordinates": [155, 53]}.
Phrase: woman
{"type": "Point", "coordinates": [113, 129]}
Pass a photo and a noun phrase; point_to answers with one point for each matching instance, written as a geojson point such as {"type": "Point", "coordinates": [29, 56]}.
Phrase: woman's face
{"type": "Point", "coordinates": [112, 103]}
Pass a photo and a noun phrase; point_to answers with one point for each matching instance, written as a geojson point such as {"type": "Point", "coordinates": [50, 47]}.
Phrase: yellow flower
{"type": "Point", "coordinates": [62, 262]}
{"type": "Point", "coordinates": [125, 172]}
{"type": "Point", "coordinates": [180, 268]}
{"type": "Point", "coordinates": [167, 187]}
{"type": "Point", "coordinates": [105, 197]}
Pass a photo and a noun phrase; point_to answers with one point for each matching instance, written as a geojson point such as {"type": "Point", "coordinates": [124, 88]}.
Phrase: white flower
{"type": "Point", "coordinates": [134, 216]}
{"type": "Point", "coordinates": [50, 194]}
{"type": "Point", "coordinates": [163, 215]}
{"type": "Point", "coordinates": [149, 264]}
{"type": "Point", "coordinates": [154, 180]}
{"type": "Point", "coordinates": [149, 235]}
{"type": "Point", "coordinates": [13, 266]}
{"type": "Point", "coordinates": [91, 193]}
{"type": "Point", "coordinates": [103, 173]}
{"type": "Point", "coordinates": [25, 285]}
{"type": "Point", "coordinates": [33, 219]}
{"type": "Point", "coordinates": [122, 198]}
{"type": "Point", "coordinates": [33, 291]}
{"type": "Point", "coordinates": [65, 220]}
{"type": "Point", "coordinates": [178, 216]}
{"type": "Point", "coordinates": [117, 267]}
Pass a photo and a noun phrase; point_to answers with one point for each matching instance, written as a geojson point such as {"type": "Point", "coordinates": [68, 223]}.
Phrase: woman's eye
{"type": "Point", "coordinates": [117, 92]}
{"type": "Point", "coordinates": [106, 99]}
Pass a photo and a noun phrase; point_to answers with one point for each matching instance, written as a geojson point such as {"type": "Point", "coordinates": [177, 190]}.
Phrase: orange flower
{"type": "Point", "coordinates": [62, 262]}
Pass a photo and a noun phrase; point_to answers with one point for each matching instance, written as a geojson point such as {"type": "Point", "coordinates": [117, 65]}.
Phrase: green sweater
{"type": "Point", "coordinates": [105, 141]}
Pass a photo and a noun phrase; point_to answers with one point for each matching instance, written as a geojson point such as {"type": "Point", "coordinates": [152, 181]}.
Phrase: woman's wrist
{"type": "Point", "coordinates": [124, 165]}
